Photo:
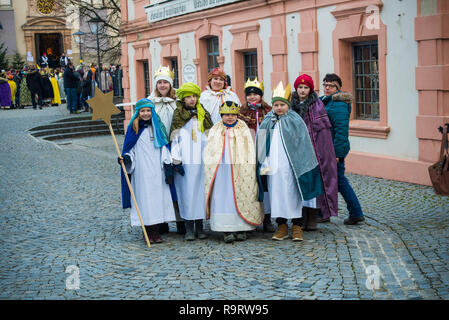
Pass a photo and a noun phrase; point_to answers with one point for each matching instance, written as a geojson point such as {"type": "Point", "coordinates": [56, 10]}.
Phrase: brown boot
{"type": "Point", "coordinates": [296, 233]}
{"type": "Point", "coordinates": [281, 232]}
{"type": "Point", "coordinates": [312, 216]}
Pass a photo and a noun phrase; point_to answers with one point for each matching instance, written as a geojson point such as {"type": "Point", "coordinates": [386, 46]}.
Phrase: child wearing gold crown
{"type": "Point", "coordinates": [255, 108]}
{"type": "Point", "coordinates": [163, 95]}
{"type": "Point", "coordinates": [229, 177]}
{"type": "Point", "coordinates": [287, 167]}
{"type": "Point", "coordinates": [252, 112]}
{"type": "Point", "coordinates": [164, 99]}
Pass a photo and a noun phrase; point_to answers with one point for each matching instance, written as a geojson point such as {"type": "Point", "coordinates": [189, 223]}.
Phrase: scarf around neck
{"type": "Point", "coordinates": [302, 107]}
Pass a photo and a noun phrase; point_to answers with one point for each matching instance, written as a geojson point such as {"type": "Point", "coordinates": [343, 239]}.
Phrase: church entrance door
{"type": "Point", "coordinates": [52, 45]}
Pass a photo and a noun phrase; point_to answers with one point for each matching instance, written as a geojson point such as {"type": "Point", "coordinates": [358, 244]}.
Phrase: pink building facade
{"type": "Point", "coordinates": [392, 55]}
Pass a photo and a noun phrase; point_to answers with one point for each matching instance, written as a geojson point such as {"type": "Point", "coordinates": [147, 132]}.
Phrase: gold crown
{"type": "Point", "coordinates": [254, 83]}
{"type": "Point", "coordinates": [229, 107]}
{"type": "Point", "coordinates": [280, 92]}
{"type": "Point", "coordinates": [164, 71]}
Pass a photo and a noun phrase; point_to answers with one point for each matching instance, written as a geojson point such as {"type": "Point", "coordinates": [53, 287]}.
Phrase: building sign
{"type": "Point", "coordinates": [167, 9]}
{"type": "Point", "coordinates": [189, 73]}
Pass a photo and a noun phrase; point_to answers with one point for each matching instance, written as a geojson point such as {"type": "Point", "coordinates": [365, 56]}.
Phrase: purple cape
{"type": "Point", "coordinates": [319, 125]}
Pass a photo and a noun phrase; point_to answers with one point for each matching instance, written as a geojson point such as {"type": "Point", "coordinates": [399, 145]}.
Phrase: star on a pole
{"type": "Point", "coordinates": [102, 106]}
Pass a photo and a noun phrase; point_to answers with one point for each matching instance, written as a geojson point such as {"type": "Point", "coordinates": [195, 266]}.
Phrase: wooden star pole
{"type": "Point", "coordinates": [103, 108]}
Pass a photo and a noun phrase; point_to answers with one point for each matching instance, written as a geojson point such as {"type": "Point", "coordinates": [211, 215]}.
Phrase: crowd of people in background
{"type": "Point", "coordinates": [40, 86]}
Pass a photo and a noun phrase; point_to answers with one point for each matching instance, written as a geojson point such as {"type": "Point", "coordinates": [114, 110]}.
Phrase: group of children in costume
{"type": "Point", "coordinates": [195, 155]}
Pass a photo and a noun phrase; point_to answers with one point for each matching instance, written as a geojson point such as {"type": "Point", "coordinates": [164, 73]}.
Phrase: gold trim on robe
{"type": "Point", "coordinates": [243, 169]}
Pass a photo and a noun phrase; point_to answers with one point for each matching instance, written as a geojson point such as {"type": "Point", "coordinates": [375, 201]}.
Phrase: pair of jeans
{"type": "Point", "coordinates": [83, 101]}
{"type": "Point", "coordinates": [348, 194]}
{"type": "Point", "coordinates": [72, 99]}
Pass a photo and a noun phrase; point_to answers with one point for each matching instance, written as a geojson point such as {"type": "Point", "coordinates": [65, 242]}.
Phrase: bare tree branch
{"type": "Point", "coordinates": [109, 13]}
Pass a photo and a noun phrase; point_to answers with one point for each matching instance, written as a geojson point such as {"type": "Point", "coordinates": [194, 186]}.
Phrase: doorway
{"type": "Point", "coordinates": [52, 45]}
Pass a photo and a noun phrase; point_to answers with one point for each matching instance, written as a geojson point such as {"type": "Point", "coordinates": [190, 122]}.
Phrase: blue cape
{"type": "Point", "coordinates": [130, 141]}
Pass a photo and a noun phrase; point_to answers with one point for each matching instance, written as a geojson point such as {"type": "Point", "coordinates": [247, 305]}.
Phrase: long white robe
{"type": "Point", "coordinates": [211, 100]}
{"type": "Point", "coordinates": [191, 197]}
{"type": "Point", "coordinates": [223, 213]}
{"type": "Point", "coordinates": [165, 107]}
{"type": "Point", "coordinates": [285, 200]}
{"type": "Point", "coordinates": [148, 182]}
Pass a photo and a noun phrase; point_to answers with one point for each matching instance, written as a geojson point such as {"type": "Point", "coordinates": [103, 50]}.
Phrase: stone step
{"type": "Point", "coordinates": [76, 135]}
{"type": "Point", "coordinates": [76, 123]}
{"type": "Point", "coordinates": [78, 126]}
{"type": "Point", "coordinates": [87, 116]}
{"type": "Point", "coordinates": [57, 130]}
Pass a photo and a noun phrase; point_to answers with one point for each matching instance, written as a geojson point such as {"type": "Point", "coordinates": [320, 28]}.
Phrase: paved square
{"type": "Point", "coordinates": [64, 236]}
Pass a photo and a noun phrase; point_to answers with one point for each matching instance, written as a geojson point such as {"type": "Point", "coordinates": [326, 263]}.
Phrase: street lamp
{"type": "Point", "coordinates": [94, 26]}
{"type": "Point", "coordinates": [79, 39]}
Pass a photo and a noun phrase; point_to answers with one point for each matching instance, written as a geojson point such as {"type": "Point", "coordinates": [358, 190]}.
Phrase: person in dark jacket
{"type": "Point", "coordinates": [306, 103]}
{"type": "Point", "coordinates": [34, 84]}
{"type": "Point", "coordinates": [47, 89]}
{"type": "Point", "coordinates": [18, 81]}
{"type": "Point", "coordinates": [63, 60]}
{"type": "Point", "coordinates": [70, 85]}
{"type": "Point", "coordinates": [338, 108]}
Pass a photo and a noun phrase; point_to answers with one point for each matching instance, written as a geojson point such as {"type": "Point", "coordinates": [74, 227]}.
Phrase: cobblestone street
{"type": "Point", "coordinates": [60, 206]}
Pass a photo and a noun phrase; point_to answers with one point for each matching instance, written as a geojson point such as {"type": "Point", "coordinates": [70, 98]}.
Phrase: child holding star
{"type": "Point", "coordinates": [145, 155]}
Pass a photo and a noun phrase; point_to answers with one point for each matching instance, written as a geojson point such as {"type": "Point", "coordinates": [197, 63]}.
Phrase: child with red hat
{"type": "Point", "coordinates": [306, 103]}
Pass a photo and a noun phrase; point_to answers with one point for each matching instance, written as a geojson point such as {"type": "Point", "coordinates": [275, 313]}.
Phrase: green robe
{"type": "Point", "coordinates": [25, 95]}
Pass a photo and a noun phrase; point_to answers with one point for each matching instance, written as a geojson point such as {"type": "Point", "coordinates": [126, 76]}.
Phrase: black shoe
{"type": "Point", "coordinates": [240, 236]}
{"type": "Point", "coordinates": [351, 220]}
{"type": "Point", "coordinates": [267, 225]}
{"type": "Point", "coordinates": [229, 237]}
{"type": "Point", "coordinates": [322, 220]}
{"type": "Point", "coordinates": [181, 227]}
{"type": "Point", "coordinates": [163, 228]}
{"type": "Point", "coordinates": [199, 232]}
{"type": "Point", "coordinates": [190, 227]}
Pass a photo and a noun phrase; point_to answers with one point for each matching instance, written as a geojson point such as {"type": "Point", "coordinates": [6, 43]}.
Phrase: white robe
{"type": "Point", "coordinates": [148, 182]}
{"type": "Point", "coordinates": [285, 200]}
{"type": "Point", "coordinates": [191, 198]}
{"type": "Point", "coordinates": [211, 100]}
{"type": "Point", "coordinates": [165, 107]}
{"type": "Point", "coordinates": [223, 213]}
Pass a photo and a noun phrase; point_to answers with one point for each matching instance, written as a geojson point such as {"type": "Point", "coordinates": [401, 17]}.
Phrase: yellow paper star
{"type": "Point", "coordinates": [102, 106]}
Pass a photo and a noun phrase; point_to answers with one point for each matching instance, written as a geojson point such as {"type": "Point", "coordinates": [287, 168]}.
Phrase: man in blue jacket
{"type": "Point", "coordinates": [338, 108]}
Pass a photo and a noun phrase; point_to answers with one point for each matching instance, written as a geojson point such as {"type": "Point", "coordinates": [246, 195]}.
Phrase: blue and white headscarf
{"type": "Point", "coordinates": [159, 131]}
